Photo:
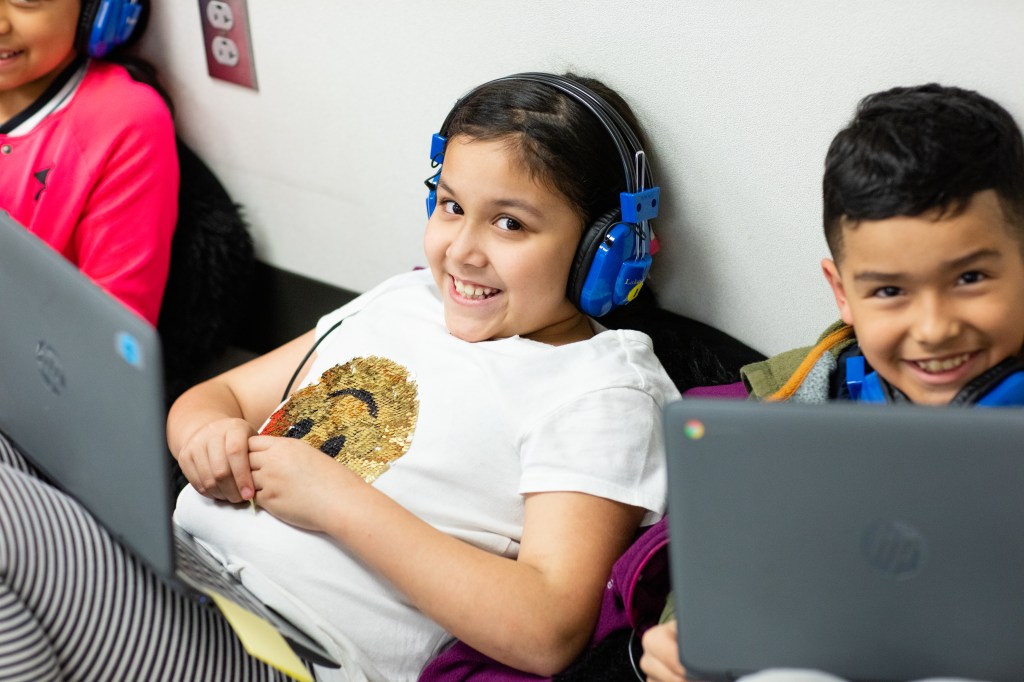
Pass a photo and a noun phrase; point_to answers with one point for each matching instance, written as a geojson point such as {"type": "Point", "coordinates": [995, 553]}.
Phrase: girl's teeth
{"type": "Point", "coordinates": [470, 291]}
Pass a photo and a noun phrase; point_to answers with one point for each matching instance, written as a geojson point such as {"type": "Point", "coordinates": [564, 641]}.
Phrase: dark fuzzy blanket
{"type": "Point", "coordinates": [212, 265]}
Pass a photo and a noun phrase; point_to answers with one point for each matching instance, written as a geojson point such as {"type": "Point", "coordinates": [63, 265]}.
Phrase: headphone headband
{"type": "Point", "coordinates": [626, 141]}
{"type": "Point", "coordinates": [614, 255]}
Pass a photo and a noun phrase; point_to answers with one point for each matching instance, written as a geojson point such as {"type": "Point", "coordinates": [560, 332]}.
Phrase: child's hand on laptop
{"type": "Point", "coordinates": [215, 460]}
{"type": "Point", "coordinates": [660, 661]}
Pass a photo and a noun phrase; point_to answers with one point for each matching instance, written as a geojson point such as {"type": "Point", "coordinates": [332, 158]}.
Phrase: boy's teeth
{"type": "Point", "coordinates": [470, 291]}
{"type": "Point", "coordinates": [943, 365]}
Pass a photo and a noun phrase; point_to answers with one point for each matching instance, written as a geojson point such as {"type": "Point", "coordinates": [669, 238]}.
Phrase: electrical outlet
{"type": "Point", "coordinates": [225, 51]}
{"type": "Point", "coordinates": [220, 16]}
{"type": "Point", "coordinates": [228, 43]}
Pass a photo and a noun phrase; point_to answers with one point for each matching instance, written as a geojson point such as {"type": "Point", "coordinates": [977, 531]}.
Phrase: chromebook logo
{"type": "Point", "coordinates": [694, 429]}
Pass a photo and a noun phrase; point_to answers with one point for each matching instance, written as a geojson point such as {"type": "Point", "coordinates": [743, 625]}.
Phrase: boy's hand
{"type": "Point", "coordinates": [296, 482]}
{"type": "Point", "coordinates": [215, 460]}
{"type": "Point", "coordinates": [660, 661]}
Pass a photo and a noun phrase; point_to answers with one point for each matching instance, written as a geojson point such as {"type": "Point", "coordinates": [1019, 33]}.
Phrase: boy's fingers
{"type": "Point", "coordinates": [661, 654]}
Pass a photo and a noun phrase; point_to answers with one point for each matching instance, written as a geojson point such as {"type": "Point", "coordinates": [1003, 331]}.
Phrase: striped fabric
{"type": "Point", "coordinates": [75, 606]}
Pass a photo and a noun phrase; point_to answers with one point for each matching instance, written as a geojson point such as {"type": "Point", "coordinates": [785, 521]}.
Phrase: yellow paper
{"type": "Point", "coordinates": [261, 640]}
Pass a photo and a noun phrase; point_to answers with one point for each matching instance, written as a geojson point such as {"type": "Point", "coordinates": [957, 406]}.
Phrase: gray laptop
{"type": "Point", "coordinates": [81, 394]}
{"type": "Point", "coordinates": [876, 543]}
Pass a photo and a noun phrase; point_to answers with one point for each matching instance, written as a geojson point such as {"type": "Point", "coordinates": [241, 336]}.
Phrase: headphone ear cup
{"type": "Point", "coordinates": [431, 202]}
{"type": "Point", "coordinates": [85, 21]}
{"type": "Point", "coordinates": [106, 24]}
{"type": "Point", "coordinates": [592, 239]}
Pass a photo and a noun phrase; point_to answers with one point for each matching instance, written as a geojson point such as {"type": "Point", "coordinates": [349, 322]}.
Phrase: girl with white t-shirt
{"type": "Point", "coordinates": [468, 451]}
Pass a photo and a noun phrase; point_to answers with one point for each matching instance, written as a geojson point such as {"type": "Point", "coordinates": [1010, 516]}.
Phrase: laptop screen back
{"type": "Point", "coordinates": [81, 392]}
{"type": "Point", "coordinates": [872, 542]}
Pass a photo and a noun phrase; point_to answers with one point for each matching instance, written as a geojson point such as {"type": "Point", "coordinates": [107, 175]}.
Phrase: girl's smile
{"type": "Point", "coordinates": [36, 43]}
{"type": "Point", "coordinates": [472, 292]}
{"type": "Point", "coordinates": [500, 245]}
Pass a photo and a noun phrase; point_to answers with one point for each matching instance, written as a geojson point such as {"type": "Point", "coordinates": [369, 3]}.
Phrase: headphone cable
{"type": "Point", "coordinates": [309, 353]}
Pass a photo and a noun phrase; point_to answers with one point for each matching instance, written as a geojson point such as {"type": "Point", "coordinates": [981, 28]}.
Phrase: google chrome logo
{"type": "Point", "coordinates": [694, 429]}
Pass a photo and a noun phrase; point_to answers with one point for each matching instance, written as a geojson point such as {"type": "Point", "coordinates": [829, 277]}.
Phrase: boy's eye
{"type": "Point", "coordinates": [886, 292]}
{"type": "Point", "coordinates": [507, 223]}
{"type": "Point", "coordinates": [972, 277]}
{"type": "Point", "coordinates": [450, 206]}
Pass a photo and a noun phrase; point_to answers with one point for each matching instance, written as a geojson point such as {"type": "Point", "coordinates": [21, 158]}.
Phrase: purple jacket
{"type": "Point", "coordinates": [633, 598]}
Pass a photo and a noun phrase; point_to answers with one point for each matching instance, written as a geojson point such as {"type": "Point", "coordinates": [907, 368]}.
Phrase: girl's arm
{"type": "Point", "coordinates": [208, 427]}
{"type": "Point", "coordinates": [123, 236]}
{"type": "Point", "coordinates": [535, 613]}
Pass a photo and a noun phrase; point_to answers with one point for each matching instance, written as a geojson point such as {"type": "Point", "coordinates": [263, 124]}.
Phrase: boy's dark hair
{"type": "Point", "coordinates": [558, 139]}
{"type": "Point", "coordinates": [910, 150]}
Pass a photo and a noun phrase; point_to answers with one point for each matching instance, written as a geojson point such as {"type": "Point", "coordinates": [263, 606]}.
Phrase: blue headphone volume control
{"type": "Point", "coordinates": [614, 279]}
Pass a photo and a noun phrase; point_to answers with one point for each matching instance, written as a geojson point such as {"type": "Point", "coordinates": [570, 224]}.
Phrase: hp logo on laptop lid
{"type": "Point", "coordinates": [50, 367]}
{"type": "Point", "coordinates": [894, 548]}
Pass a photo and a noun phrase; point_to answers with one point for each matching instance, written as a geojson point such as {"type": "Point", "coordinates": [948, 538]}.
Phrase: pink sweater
{"type": "Point", "coordinates": [98, 181]}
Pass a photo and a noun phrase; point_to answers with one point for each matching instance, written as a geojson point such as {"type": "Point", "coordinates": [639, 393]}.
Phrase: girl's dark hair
{"type": "Point", "coordinates": [910, 150]}
{"type": "Point", "coordinates": [558, 139]}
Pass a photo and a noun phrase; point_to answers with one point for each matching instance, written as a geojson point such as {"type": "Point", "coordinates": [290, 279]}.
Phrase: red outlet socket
{"type": "Point", "coordinates": [228, 43]}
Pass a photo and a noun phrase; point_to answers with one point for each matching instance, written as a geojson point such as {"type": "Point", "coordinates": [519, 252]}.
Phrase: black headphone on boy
{"type": "Point", "coordinates": [614, 256]}
{"type": "Point", "coordinates": [106, 24]}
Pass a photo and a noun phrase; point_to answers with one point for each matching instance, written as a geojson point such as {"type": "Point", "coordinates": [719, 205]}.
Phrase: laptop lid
{"type": "Point", "coordinates": [81, 394]}
{"type": "Point", "coordinates": [872, 542]}
{"type": "Point", "coordinates": [73, 360]}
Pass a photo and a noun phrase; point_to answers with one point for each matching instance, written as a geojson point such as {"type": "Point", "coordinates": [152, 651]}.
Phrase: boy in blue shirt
{"type": "Point", "coordinates": [924, 216]}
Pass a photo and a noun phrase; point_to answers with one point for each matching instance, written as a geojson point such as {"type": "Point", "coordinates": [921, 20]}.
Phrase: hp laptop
{"type": "Point", "coordinates": [81, 395]}
{"type": "Point", "coordinates": [877, 543]}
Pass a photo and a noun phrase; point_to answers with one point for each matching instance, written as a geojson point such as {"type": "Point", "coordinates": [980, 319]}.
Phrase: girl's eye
{"type": "Point", "coordinates": [450, 206]}
{"type": "Point", "coordinates": [972, 277]}
{"type": "Point", "coordinates": [507, 223]}
{"type": "Point", "coordinates": [886, 292]}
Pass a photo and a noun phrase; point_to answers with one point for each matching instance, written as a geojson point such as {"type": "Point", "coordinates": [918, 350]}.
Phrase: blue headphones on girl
{"type": "Point", "coordinates": [106, 24]}
{"type": "Point", "coordinates": [614, 256]}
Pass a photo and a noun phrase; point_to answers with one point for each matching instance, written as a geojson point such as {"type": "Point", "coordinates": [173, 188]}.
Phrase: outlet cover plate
{"type": "Point", "coordinates": [227, 41]}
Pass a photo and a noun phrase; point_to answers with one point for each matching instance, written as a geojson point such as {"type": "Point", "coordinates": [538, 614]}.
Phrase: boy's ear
{"type": "Point", "coordinates": [835, 280]}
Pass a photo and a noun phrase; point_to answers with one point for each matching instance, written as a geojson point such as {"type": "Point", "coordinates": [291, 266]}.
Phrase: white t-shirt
{"type": "Point", "coordinates": [458, 433]}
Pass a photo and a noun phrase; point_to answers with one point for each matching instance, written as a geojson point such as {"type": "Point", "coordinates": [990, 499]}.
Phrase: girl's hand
{"type": "Point", "coordinates": [215, 460]}
{"type": "Point", "coordinates": [660, 661]}
{"type": "Point", "coordinates": [296, 482]}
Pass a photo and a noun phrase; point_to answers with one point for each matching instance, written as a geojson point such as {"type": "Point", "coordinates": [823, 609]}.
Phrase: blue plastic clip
{"type": "Point", "coordinates": [437, 145]}
{"type": "Point", "coordinates": [640, 206]}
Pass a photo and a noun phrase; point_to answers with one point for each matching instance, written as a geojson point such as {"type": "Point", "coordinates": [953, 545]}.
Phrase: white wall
{"type": "Point", "coordinates": [740, 98]}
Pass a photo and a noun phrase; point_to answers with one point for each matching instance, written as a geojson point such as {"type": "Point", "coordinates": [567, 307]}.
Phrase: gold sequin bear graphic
{"type": "Point", "coordinates": [362, 413]}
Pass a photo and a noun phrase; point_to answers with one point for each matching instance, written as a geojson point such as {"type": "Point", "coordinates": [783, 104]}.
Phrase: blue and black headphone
{"type": "Point", "coordinates": [614, 256]}
{"type": "Point", "coordinates": [106, 24]}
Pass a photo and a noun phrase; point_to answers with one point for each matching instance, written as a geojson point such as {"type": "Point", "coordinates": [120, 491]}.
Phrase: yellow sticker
{"type": "Point", "coordinates": [260, 639]}
{"type": "Point", "coordinates": [635, 292]}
